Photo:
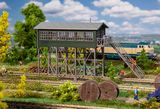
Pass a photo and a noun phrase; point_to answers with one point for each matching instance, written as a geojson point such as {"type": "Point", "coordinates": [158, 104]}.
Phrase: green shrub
{"type": "Point", "coordinates": [15, 54]}
{"type": "Point", "coordinates": [1, 86]}
{"type": "Point", "coordinates": [151, 104]}
{"type": "Point", "coordinates": [10, 86]}
{"type": "Point", "coordinates": [66, 92]}
{"type": "Point", "coordinates": [3, 105]}
{"type": "Point", "coordinates": [38, 86]}
{"type": "Point", "coordinates": [21, 90]}
{"type": "Point", "coordinates": [111, 73]}
{"type": "Point", "coordinates": [31, 54]}
{"type": "Point", "coordinates": [157, 70]}
{"type": "Point", "coordinates": [143, 61]}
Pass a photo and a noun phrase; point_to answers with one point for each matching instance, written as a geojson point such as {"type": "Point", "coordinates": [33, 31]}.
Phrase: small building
{"type": "Point", "coordinates": [80, 35]}
{"type": "Point", "coordinates": [61, 36]}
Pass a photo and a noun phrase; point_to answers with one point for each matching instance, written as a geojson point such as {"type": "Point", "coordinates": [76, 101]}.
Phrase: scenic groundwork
{"type": "Point", "coordinates": [69, 54]}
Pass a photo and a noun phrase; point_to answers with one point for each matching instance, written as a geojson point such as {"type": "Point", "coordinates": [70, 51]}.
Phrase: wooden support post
{"type": "Point", "coordinates": [57, 68]}
{"type": "Point", "coordinates": [75, 63]}
{"type": "Point", "coordinates": [84, 70]}
{"type": "Point", "coordinates": [49, 59]}
{"type": "Point", "coordinates": [38, 61]}
{"type": "Point", "coordinates": [95, 50]}
{"type": "Point", "coordinates": [66, 65]}
{"type": "Point", "coordinates": [38, 50]}
{"type": "Point", "coordinates": [103, 61]}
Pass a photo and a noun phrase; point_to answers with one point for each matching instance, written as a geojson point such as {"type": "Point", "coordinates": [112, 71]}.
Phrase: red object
{"type": "Point", "coordinates": [122, 72]}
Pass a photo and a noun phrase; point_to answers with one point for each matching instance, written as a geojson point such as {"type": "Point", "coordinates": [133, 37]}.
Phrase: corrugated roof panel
{"type": "Point", "coordinates": [69, 26]}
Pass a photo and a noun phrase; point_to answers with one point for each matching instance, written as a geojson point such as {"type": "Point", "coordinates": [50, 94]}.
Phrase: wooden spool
{"type": "Point", "coordinates": [89, 91]}
{"type": "Point", "coordinates": [109, 90]}
{"type": "Point", "coordinates": [157, 82]}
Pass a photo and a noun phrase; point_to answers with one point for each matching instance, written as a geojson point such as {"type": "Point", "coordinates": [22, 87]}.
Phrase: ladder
{"type": "Point", "coordinates": [124, 55]}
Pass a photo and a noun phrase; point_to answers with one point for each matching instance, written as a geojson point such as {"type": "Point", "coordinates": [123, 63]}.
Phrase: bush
{"type": "Point", "coordinates": [157, 70]}
{"type": "Point", "coordinates": [21, 87]}
{"type": "Point", "coordinates": [15, 54]}
{"type": "Point", "coordinates": [111, 73]}
{"type": "Point", "coordinates": [37, 86]}
{"type": "Point", "coordinates": [143, 61]}
{"type": "Point", "coordinates": [1, 86]}
{"type": "Point", "coordinates": [3, 105]}
{"type": "Point", "coordinates": [66, 92]}
{"type": "Point", "coordinates": [31, 54]}
{"type": "Point", "coordinates": [151, 104]}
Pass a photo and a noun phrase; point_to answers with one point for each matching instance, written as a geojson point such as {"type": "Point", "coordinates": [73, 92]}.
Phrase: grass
{"type": "Point", "coordinates": [114, 103]}
{"type": "Point", "coordinates": [130, 94]}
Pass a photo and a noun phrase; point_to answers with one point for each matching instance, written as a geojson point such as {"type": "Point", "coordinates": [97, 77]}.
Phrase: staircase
{"type": "Point", "coordinates": [123, 54]}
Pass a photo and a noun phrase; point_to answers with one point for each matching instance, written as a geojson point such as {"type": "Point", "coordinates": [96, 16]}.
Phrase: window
{"type": "Point", "coordinates": [63, 35]}
{"type": "Point", "coordinates": [71, 34]}
{"type": "Point", "coordinates": [66, 35]}
{"type": "Point", "coordinates": [88, 36]}
{"type": "Point", "coordinates": [47, 35]}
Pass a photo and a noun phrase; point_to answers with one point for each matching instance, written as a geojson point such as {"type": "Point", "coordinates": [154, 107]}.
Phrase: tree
{"type": "Point", "coordinates": [4, 35]}
{"type": "Point", "coordinates": [143, 61]}
{"type": "Point", "coordinates": [24, 34]}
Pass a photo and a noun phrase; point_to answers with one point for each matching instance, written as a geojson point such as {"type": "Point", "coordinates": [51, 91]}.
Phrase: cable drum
{"type": "Point", "coordinates": [109, 90]}
{"type": "Point", "coordinates": [89, 91]}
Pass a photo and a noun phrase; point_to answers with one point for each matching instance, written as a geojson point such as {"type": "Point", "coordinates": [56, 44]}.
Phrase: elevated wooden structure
{"type": "Point", "coordinates": [59, 38]}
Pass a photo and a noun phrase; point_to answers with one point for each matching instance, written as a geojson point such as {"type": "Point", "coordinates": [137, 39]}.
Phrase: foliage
{"type": "Point", "coordinates": [31, 94]}
{"type": "Point", "coordinates": [143, 60]}
{"type": "Point", "coordinates": [157, 49]}
{"type": "Point", "coordinates": [24, 34]}
{"type": "Point", "coordinates": [43, 57]}
{"type": "Point", "coordinates": [111, 73]}
{"type": "Point", "coordinates": [15, 54]}
{"type": "Point", "coordinates": [4, 35]}
{"type": "Point", "coordinates": [66, 92]}
{"type": "Point", "coordinates": [21, 89]}
{"type": "Point", "coordinates": [130, 93]}
{"type": "Point", "coordinates": [151, 104]}
{"type": "Point", "coordinates": [98, 79]}
{"type": "Point", "coordinates": [31, 54]}
{"type": "Point", "coordinates": [38, 86]}
{"type": "Point", "coordinates": [157, 70]}
{"type": "Point", "coordinates": [118, 80]}
{"type": "Point", "coordinates": [118, 104]}
{"type": "Point", "coordinates": [3, 105]}
{"type": "Point", "coordinates": [1, 86]}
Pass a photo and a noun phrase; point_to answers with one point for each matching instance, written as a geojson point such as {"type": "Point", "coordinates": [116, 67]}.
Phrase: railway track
{"type": "Point", "coordinates": [140, 82]}
{"type": "Point", "coordinates": [27, 105]}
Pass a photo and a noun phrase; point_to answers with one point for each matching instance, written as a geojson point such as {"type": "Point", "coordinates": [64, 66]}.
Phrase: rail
{"type": "Point", "coordinates": [107, 40]}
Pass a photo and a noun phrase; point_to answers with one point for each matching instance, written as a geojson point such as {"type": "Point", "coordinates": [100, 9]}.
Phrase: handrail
{"type": "Point", "coordinates": [122, 53]}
